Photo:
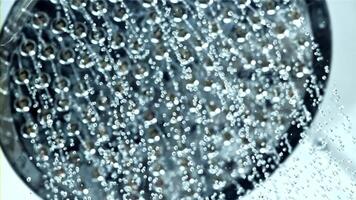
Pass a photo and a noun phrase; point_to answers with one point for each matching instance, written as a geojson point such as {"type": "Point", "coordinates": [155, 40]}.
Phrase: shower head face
{"type": "Point", "coordinates": [118, 99]}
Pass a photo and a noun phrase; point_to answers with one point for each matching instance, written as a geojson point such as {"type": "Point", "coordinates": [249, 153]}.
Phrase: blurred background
{"type": "Point", "coordinates": [324, 165]}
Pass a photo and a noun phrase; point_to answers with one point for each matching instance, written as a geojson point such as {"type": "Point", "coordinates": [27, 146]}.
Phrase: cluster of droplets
{"type": "Point", "coordinates": [159, 99]}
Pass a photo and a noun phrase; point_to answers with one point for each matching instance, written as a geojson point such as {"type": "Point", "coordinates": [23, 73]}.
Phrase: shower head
{"type": "Point", "coordinates": [148, 99]}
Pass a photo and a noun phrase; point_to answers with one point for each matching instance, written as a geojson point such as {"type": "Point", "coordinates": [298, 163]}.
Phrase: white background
{"type": "Point", "coordinates": [322, 174]}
